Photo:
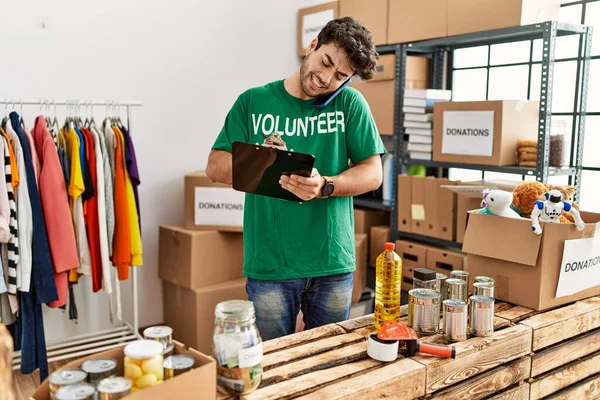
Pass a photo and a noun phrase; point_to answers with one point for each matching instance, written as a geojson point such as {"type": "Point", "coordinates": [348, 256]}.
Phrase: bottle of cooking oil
{"type": "Point", "coordinates": [388, 286]}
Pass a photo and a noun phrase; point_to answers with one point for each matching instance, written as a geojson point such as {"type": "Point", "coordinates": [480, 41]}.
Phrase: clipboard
{"type": "Point", "coordinates": [257, 169]}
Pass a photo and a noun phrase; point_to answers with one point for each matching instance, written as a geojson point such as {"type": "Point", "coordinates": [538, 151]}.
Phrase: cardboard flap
{"type": "Point", "coordinates": [469, 191]}
{"type": "Point", "coordinates": [501, 238]}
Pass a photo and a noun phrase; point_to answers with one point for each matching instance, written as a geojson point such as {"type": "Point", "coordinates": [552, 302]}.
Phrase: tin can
{"type": "Point", "coordinates": [482, 315]}
{"type": "Point", "coordinates": [169, 351]}
{"type": "Point", "coordinates": [65, 377]}
{"type": "Point", "coordinates": [485, 279]}
{"type": "Point", "coordinates": [161, 333]}
{"type": "Point", "coordinates": [99, 368]}
{"type": "Point", "coordinates": [459, 274]}
{"type": "Point", "coordinates": [483, 289]}
{"type": "Point", "coordinates": [424, 310]}
{"type": "Point", "coordinates": [455, 320]}
{"type": "Point", "coordinates": [114, 388]}
{"type": "Point", "coordinates": [456, 289]}
{"type": "Point", "coordinates": [440, 286]}
{"type": "Point", "coordinates": [79, 391]}
{"type": "Point", "coordinates": [177, 365]}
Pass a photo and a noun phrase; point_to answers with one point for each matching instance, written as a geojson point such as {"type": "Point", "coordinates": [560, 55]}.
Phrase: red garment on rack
{"type": "Point", "coordinates": [57, 213]}
{"type": "Point", "coordinates": [91, 216]}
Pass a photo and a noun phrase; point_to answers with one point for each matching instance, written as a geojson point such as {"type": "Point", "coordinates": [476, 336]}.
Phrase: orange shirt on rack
{"type": "Point", "coordinates": [132, 216]}
{"type": "Point", "coordinates": [122, 238]}
{"type": "Point", "coordinates": [13, 163]}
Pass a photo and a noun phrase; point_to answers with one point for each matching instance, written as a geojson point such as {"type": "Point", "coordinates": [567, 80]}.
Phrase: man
{"type": "Point", "coordinates": [300, 256]}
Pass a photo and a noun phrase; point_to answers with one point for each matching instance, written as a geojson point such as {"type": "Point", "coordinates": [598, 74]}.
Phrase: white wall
{"type": "Point", "coordinates": [186, 60]}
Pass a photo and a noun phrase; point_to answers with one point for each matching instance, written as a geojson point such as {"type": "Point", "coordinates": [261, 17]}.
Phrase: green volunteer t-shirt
{"type": "Point", "coordinates": [287, 240]}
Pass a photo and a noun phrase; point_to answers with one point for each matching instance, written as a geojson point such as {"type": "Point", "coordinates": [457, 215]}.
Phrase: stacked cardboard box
{"type": "Point", "coordinates": [201, 261]}
{"type": "Point", "coordinates": [418, 120]}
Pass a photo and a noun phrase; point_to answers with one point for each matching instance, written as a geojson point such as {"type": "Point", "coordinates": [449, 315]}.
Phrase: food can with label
{"type": "Point", "coordinates": [455, 320]}
{"type": "Point", "coordinates": [79, 391]}
{"type": "Point", "coordinates": [482, 315]}
{"type": "Point", "coordinates": [177, 365]}
{"type": "Point", "coordinates": [114, 388]}
{"type": "Point", "coordinates": [238, 348]}
{"type": "Point", "coordinates": [424, 310]}
{"type": "Point", "coordinates": [99, 368]}
{"type": "Point", "coordinates": [65, 377]}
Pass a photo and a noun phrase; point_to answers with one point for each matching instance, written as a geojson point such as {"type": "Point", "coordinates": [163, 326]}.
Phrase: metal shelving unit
{"type": "Point", "coordinates": [441, 52]}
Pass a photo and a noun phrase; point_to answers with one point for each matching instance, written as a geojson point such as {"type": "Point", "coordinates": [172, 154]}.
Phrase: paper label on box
{"type": "Point", "coordinates": [469, 133]}
{"type": "Point", "coordinates": [218, 206]}
{"type": "Point", "coordinates": [418, 212]}
{"type": "Point", "coordinates": [312, 25]}
{"type": "Point", "coordinates": [251, 356]}
{"type": "Point", "coordinates": [580, 267]}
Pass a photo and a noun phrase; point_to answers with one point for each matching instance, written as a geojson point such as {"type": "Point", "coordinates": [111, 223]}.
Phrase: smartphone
{"type": "Point", "coordinates": [321, 102]}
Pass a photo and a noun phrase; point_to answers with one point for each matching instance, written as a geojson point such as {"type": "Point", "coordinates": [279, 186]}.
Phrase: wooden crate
{"type": "Point", "coordinates": [566, 351]}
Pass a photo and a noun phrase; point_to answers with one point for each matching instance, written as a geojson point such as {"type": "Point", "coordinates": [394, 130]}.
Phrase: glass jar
{"type": "Point", "coordinates": [424, 278]}
{"type": "Point", "coordinates": [144, 364]}
{"type": "Point", "coordinates": [237, 347]}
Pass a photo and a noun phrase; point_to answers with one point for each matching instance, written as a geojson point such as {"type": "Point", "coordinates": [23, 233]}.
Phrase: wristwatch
{"type": "Point", "coordinates": [327, 189]}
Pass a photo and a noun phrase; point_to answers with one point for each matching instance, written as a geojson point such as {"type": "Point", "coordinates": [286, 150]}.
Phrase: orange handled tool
{"type": "Point", "coordinates": [395, 330]}
{"type": "Point", "coordinates": [414, 346]}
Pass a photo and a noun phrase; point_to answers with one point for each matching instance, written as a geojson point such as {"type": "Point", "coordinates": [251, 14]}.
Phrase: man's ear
{"type": "Point", "coordinates": [312, 46]}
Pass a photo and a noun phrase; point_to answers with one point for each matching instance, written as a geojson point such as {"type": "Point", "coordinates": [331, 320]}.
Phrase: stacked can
{"type": "Point", "coordinates": [114, 388]}
{"type": "Point", "coordinates": [455, 320]}
{"type": "Point", "coordinates": [482, 315]}
{"type": "Point", "coordinates": [65, 377]}
{"type": "Point", "coordinates": [177, 365]}
{"type": "Point", "coordinates": [162, 334]}
{"type": "Point", "coordinates": [79, 391]}
{"type": "Point", "coordinates": [424, 310]}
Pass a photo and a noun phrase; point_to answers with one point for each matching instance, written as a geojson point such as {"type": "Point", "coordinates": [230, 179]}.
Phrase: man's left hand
{"type": "Point", "coordinates": [303, 187]}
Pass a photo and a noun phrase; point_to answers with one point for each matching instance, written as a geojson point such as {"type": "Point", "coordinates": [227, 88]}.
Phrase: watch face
{"type": "Point", "coordinates": [328, 189]}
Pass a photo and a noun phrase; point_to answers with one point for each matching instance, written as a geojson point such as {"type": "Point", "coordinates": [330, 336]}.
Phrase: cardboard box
{"type": "Point", "coordinates": [410, 21]}
{"type": "Point", "coordinates": [212, 206]}
{"type": "Point", "coordinates": [445, 261]}
{"type": "Point", "coordinates": [417, 210]}
{"type": "Point", "coordinates": [187, 257]}
{"type": "Point", "coordinates": [482, 132]}
{"type": "Point", "coordinates": [379, 236]}
{"type": "Point", "coordinates": [527, 266]}
{"type": "Point", "coordinates": [413, 256]}
{"type": "Point", "coordinates": [469, 198]}
{"type": "Point", "coordinates": [465, 16]}
{"type": "Point", "coordinates": [364, 220]}
{"type": "Point", "coordinates": [191, 312]}
{"type": "Point", "coordinates": [201, 379]}
{"type": "Point", "coordinates": [360, 273]}
{"type": "Point", "coordinates": [440, 209]}
{"type": "Point", "coordinates": [404, 203]}
{"type": "Point", "coordinates": [380, 91]}
{"type": "Point", "coordinates": [372, 14]}
{"type": "Point", "coordinates": [311, 21]}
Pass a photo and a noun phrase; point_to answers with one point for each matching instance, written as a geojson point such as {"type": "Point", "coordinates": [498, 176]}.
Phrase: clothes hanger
{"type": "Point", "coordinates": [21, 120]}
{"type": "Point", "coordinates": [5, 119]}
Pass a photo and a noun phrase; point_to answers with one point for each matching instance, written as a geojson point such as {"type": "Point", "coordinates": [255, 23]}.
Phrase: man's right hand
{"type": "Point", "coordinates": [219, 167]}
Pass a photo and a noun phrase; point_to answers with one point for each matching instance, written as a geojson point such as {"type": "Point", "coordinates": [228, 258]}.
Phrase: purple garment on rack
{"type": "Point", "coordinates": [132, 169]}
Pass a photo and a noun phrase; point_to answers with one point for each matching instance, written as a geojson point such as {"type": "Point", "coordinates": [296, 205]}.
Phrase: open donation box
{"type": "Point", "coordinates": [559, 266]}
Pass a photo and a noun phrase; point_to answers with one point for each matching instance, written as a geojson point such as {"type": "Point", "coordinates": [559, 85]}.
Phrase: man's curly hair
{"type": "Point", "coordinates": [356, 40]}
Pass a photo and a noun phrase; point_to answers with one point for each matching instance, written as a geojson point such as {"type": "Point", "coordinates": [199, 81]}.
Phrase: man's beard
{"type": "Point", "coordinates": [303, 76]}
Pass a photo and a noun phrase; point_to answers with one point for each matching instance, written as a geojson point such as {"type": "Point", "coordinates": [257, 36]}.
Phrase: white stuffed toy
{"type": "Point", "coordinates": [497, 202]}
{"type": "Point", "coordinates": [551, 210]}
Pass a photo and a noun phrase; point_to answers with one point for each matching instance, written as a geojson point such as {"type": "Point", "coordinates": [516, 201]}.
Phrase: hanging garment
{"type": "Point", "coordinates": [53, 194]}
{"type": "Point", "coordinates": [101, 214]}
{"type": "Point", "coordinates": [5, 234]}
{"type": "Point", "coordinates": [13, 163]}
{"type": "Point", "coordinates": [42, 269]}
{"type": "Point", "coordinates": [75, 190]}
{"type": "Point", "coordinates": [132, 169]}
{"type": "Point", "coordinates": [122, 240]}
{"type": "Point", "coordinates": [12, 247]}
{"type": "Point", "coordinates": [24, 215]}
{"type": "Point", "coordinates": [92, 220]}
{"type": "Point", "coordinates": [34, 157]}
{"type": "Point", "coordinates": [108, 189]}
{"type": "Point", "coordinates": [132, 216]}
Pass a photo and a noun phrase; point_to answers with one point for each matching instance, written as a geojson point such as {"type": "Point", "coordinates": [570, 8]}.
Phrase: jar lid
{"type": "Point", "coordinates": [424, 274]}
{"type": "Point", "coordinates": [239, 310]}
{"type": "Point", "coordinates": [116, 384]}
{"type": "Point", "coordinates": [67, 376]}
{"type": "Point", "coordinates": [143, 349]}
{"type": "Point", "coordinates": [81, 391]}
{"type": "Point", "coordinates": [158, 332]}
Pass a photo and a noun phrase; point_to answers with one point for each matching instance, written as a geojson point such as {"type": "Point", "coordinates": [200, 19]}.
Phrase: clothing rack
{"type": "Point", "coordinates": [94, 342]}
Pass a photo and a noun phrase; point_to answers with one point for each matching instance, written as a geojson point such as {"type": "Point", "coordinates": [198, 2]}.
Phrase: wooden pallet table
{"type": "Point", "coordinates": [553, 354]}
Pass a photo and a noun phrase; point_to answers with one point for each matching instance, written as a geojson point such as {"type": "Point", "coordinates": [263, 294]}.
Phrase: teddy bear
{"type": "Point", "coordinates": [497, 202]}
{"type": "Point", "coordinates": [527, 193]}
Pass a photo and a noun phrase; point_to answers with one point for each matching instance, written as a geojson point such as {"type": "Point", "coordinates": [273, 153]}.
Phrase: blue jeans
{"type": "Point", "coordinates": [323, 300]}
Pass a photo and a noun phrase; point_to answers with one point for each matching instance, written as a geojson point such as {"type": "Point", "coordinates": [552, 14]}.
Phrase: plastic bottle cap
{"type": "Point", "coordinates": [390, 246]}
